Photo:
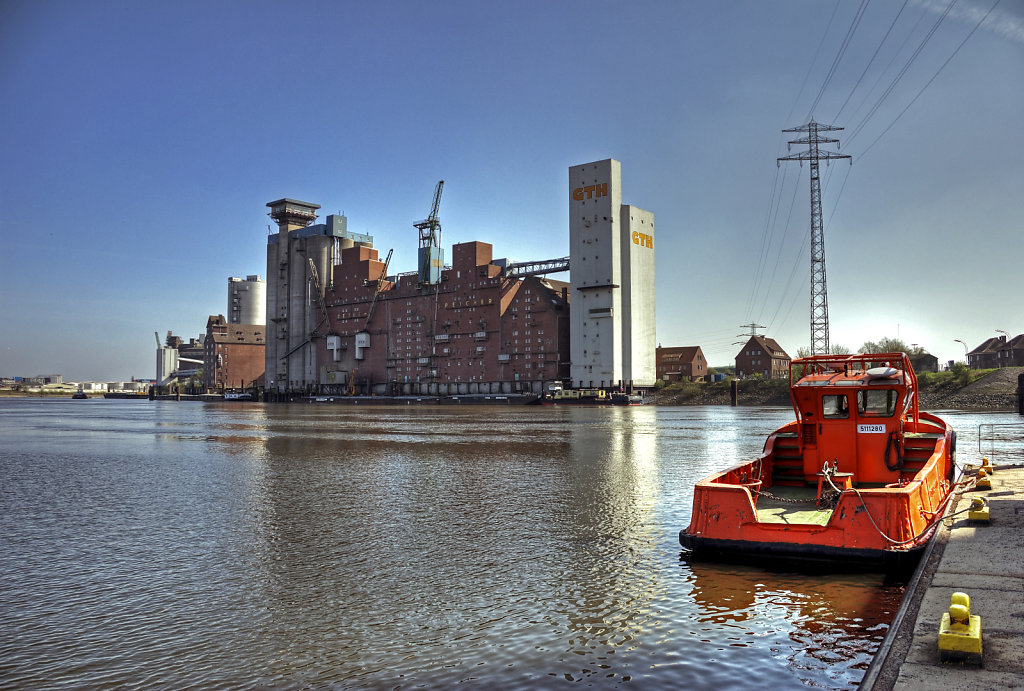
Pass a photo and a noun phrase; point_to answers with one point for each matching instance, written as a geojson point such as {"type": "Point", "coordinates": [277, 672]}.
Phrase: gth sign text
{"type": "Point", "coordinates": [590, 192]}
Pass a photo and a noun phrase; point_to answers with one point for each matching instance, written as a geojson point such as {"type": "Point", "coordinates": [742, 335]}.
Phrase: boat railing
{"type": "Point", "coordinates": [1002, 443]}
{"type": "Point", "coordinates": [817, 364]}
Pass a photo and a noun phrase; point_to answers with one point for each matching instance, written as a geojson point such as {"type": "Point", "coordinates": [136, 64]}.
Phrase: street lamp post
{"type": "Point", "coordinates": [965, 350]}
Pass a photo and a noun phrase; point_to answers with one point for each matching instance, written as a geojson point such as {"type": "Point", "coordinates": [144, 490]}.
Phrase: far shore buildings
{"type": "Point", "coordinates": [762, 356]}
{"type": "Point", "coordinates": [234, 354]}
{"type": "Point", "coordinates": [340, 322]}
{"type": "Point", "coordinates": [924, 362]}
{"type": "Point", "coordinates": [686, 363]}
{"type": "Point", "coordinates": [55, 383]}
{"type": "Point", "coordinates": [998, 352]}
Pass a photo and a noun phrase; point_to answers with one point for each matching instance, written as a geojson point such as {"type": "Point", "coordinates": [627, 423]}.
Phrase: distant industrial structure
{"type": "Point", "coordinates": [339, 323]}
{"type": "Point", "coordinates": [172, 353]}
{"type": "Point", "coordinates": [247, 300]}
{"type": "Point", "coordinates": [297, 256]}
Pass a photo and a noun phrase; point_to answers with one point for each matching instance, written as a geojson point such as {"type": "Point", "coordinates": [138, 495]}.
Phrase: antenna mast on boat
{"type": "Point", "coordinates": [819, 293]}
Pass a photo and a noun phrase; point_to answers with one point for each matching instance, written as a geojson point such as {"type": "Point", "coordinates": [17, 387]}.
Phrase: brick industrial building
{"type": "Point", "coordinates": [234, 354]}
{"type": "Point", "coordinates": [475, 331]}
{"type": "Point", "coordinates": [339, 323]}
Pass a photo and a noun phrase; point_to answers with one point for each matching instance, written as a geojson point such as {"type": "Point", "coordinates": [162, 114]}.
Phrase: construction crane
{"type": "Point", "coordinates": [430, 261]}
{"type": "Point", "coordinates": [430, 228]}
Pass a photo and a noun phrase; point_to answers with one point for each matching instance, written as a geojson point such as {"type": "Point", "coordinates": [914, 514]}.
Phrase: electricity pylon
{"type": "Point", "coordinates": [819, 292]}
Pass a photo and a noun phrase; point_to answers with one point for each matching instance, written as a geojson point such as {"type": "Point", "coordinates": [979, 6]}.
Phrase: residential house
{"type": "Point", "coordinates": [998, 352]}
{"type": "Point", "coordinates": [680, 363]}
{"type": "Point", "coordinates": [762, 356]}
{"type": "Point", "coordinates": [924, 362]}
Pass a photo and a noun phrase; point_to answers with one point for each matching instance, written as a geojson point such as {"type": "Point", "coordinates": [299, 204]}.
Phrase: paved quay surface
{"type": "Point", "coordinates": [987, 563]}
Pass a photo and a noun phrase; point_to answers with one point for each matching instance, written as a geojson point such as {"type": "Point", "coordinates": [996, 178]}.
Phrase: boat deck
{"type": "Point", "coordinates": [793, 505]}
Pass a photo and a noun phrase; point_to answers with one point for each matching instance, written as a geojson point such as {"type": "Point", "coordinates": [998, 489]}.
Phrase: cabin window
{"type": "Point", "coordinates": [835, 407]}
{"type": "Point", "coordinates": [877, 402]}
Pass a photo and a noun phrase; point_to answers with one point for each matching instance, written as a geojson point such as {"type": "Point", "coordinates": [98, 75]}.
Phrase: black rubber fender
{"type": "Point", "coordinates": [952, 455]}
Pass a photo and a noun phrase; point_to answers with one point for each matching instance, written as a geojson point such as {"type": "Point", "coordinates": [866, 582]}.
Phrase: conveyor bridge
{"type": "Point", "coordinates": [547, 266]}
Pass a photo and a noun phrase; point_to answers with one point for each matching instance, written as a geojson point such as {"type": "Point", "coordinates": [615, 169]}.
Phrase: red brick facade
{"type": "Point", "coordinates": [476, 331]}
{"type": "Point", "coordinates": [234, 354]}
{"type": "Point", "coordinates": [762, 356]}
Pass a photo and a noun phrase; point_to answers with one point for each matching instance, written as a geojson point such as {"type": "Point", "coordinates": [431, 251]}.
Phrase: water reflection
{"type": "Point", "coordinates": [825, 625]}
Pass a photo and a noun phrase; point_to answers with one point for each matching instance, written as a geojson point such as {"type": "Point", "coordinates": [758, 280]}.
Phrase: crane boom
{"type": "Point", "coordinates": [437, 201]}
{"type": "Point", "coordinates": [430, 228]}
{"type": "Point", "coordinates": [380, 283]}
{"type": "Point", "coordinates": [314, 276]}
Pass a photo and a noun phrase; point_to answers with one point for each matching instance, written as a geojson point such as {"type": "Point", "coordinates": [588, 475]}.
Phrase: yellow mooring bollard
{"type": "Point", "coordinates": [987, 466]}
{"type": "Point", "coordinates": [983, 482]}
{"type": "Point", "coordinates": [978, 510]}
{"type": "Point", "coordinates": [960, 632]}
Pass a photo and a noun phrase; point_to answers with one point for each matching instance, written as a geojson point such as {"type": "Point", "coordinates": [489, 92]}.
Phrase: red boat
{"type": "Point", "coordinates": [861, 474]}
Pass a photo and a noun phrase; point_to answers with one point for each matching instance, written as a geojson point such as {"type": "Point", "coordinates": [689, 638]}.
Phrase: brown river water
{"type": "Point", "coordinates": [250, 546]}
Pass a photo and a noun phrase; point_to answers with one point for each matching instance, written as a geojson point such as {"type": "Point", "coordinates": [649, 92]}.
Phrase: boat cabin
{"type": "Point", "coordinates": [850, 415]}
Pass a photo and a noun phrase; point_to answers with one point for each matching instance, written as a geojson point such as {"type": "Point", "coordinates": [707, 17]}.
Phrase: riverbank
{"type": "Point", "coordinates": [995, 390]}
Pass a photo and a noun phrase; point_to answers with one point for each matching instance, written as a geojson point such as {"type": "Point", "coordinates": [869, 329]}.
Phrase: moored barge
{"type": "Point", "coordinates": [559, 396]}
{"type": "Point", "coordinates": [861, 474]}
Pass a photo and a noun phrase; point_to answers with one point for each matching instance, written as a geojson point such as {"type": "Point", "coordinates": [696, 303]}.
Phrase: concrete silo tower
{"type": "Point", "coordinates": [611, 254]}
{"type": "Point", "coordinates": [247, 300]}
{"type": "Point", "coordinates": [293, 312]}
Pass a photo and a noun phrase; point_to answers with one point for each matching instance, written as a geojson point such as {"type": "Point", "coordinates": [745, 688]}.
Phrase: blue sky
{"type": "Point", "coordinates": [141, 142]}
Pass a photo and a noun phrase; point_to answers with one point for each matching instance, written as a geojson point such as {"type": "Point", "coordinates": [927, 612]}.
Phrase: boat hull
{"type": "Point", "coordinates": [752, 550]}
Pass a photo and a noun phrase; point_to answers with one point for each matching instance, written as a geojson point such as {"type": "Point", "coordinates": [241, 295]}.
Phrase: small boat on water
{"type": "Point", "coordinates": [79, 395]}
{"type": "Point", "coordinates": [237, 396]}
{"type": "Point", "coordinates": [861, 474]}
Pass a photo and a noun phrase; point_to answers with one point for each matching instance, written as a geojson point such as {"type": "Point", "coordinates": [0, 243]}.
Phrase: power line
{"type": "Point", "coordinates": [782, 244]}
{"type": "Point", "coordinates": [874, 55]}
{"type": "Point", "coordinates": [755, 284]}
{"type": "Point", "coordinates": [785, 291]}
{"type": "Point", "coordinates": [814, 60]}
{"type": "Point", "coordinates": [903, 70]}
{"type": "Point", "coordinates": [928, 83]}
{"type": "Point", "coordinates": [839, 55]}
{"type": "Point", "coordinates": [888, 65]}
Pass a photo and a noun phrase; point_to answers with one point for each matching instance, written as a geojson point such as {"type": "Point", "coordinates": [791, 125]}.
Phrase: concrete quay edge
{"type": "Point", "coordinates": [987, 563]}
